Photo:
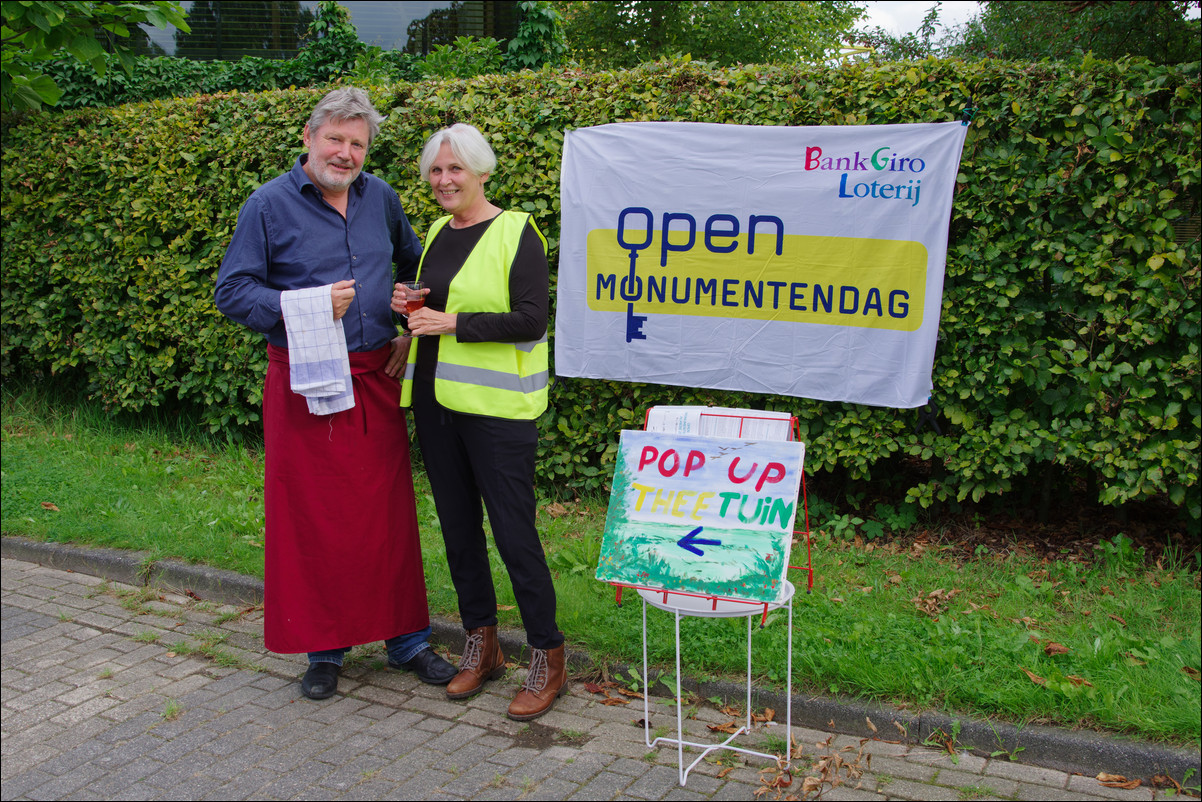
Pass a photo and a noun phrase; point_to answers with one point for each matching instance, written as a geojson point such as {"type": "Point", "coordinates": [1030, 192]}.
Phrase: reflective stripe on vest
{"type": "Point", "coordinates": [500, 380]}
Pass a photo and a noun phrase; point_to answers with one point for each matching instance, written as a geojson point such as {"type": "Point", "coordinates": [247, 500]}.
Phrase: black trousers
{"type": "Point", "coordinates": [469, 458]}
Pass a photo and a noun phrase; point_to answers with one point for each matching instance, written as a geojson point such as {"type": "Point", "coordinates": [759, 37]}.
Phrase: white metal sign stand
{"type": "Point", "coordinates": [719, 423]}
{"type": "Point", "coordinates": [682, 604]}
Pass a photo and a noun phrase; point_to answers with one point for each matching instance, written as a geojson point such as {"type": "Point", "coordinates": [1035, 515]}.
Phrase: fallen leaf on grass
{"type": "Point", "coordinates": [1116, 618]}
{"type": "Point", "coordinates": [556, 509]}
{"type": "Point", "coordinates": [1052, 648]}
{"type": "Point", "coordinates": [505, 607]}
{"type": "Point", "coordinates": [1074, 679]}
{"type": "Point", "coordinates": [935, 602]}
{"type": "Point", "coordinates": [1192, 673]}
{"type": "Point", "coordinates": [1038, 680]}
{"type": "Point", "coordinates": [46, 505]}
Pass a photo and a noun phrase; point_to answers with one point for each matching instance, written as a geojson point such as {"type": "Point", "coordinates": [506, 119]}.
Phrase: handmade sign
{"type": "Point", "coordinates": [801, 261]}
{"type": "Point", "coordinates": [704, 515]}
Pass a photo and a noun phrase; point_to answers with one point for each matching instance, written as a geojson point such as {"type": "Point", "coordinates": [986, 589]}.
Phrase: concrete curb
{"type": "Point", "coordinates": [1074, 751]}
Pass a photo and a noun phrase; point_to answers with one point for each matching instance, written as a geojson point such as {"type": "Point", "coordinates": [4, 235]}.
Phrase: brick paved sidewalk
{"type": "Point", "coordinates": [117, 692]}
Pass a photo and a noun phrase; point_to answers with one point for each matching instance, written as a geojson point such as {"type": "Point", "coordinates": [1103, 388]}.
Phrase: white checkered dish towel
{"type": "Point", "coordinates": [320, 368]}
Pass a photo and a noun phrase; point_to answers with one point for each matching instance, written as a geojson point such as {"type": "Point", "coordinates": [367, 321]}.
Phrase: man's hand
{"type": "Point", "coordinates": [342, 293]}
{"type": "Point", "coordinates": [396, 360]}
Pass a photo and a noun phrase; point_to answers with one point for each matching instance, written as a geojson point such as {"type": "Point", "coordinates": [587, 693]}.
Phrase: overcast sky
{"type": "Point", "coordinates": [900, 17]}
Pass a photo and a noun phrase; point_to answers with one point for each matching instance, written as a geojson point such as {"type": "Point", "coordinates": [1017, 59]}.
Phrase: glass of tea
{"type": "Point", "coordinates": [414, 298]}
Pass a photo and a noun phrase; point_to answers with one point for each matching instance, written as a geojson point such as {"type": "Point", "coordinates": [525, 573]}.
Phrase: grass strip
{"type": "Point", "coordinates": [1112, 643]}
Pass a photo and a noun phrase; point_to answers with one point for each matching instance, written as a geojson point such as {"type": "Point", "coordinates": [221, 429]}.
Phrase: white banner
{"type": "Point", "coordinates": [804, 262]}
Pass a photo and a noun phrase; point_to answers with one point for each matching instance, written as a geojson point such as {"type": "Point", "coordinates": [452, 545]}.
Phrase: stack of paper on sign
{"type": "Point", "coordinates": [748, 424]}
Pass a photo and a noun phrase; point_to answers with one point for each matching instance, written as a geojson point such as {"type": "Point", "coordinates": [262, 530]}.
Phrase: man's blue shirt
{"type": "Point", "coordinates": [289, 238]}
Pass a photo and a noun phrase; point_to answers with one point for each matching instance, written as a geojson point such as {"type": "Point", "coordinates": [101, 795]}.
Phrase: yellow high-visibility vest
{"type": "Point", "coordinates": [500, 380]}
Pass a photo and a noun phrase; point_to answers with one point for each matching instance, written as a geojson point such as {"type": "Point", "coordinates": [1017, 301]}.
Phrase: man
{"type": "Point", "coordinates": [311, 266]}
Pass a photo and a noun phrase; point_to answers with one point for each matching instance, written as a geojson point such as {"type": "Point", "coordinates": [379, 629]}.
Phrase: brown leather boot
{"type": "Point", "coordinates": [545, 683]}
{"type": "Point", "coordinates": [482, 660]}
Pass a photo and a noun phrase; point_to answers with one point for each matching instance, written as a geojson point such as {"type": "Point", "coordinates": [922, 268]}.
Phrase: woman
{"type": "Point", "coordinates": [476, 381]}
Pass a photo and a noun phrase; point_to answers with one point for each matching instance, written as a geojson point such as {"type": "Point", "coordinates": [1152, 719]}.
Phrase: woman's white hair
{"type": "Point", "coordinates": [470, 147]}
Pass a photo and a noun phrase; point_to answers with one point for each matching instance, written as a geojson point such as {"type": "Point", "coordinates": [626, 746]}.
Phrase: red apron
{"type": "Point", "coordinates": [343, 561]}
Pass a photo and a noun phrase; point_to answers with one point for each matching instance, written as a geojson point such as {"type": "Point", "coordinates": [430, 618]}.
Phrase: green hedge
{"type": "Point", "coordinates": [1068, 354]}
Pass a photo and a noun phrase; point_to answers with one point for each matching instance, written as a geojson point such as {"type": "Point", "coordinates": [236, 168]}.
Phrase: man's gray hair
{"type": "Point", "coordinates": [470, 147]}
{"type": "Point", "coordinates": [346, 104]}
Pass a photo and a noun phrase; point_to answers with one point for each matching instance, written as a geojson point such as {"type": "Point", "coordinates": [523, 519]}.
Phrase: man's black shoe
{"type": "Point", "coordinates": [321, 680]}
{"type": "Point", "coordinates": [429, 667]}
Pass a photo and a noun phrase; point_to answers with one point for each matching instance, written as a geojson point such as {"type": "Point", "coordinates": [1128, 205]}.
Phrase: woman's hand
{"type": "Point", "coordinates": [429, 321]}
{"type": "Point", "coordinates": [400, 295]}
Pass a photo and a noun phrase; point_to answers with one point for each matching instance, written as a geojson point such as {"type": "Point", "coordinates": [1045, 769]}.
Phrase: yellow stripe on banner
{"type": "Point", "coordinates": [839, 281]}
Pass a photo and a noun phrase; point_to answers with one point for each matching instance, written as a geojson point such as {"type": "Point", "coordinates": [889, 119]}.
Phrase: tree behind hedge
{"type": "Point", "coordinates": [1068, 352]}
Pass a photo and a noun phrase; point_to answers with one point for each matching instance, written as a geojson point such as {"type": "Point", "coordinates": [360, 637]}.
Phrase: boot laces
{"type": "Point", "coordinates": [536, 678]}
{"type": "Point", "coordinates": [473, 651]}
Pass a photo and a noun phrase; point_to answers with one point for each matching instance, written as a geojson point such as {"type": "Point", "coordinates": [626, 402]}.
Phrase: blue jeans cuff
{"type": "Point", "coordinates": [404, 648]}
{"type": "Point", "coordinates": [334, 656]}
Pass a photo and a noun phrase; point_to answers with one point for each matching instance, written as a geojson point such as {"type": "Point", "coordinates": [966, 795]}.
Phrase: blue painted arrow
{"type": "Point", "coordinates": [690, 542]}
